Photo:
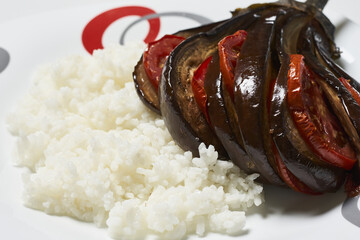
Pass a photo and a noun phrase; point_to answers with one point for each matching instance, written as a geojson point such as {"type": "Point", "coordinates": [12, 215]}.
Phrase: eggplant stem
{"type": "Point", "coordinates": [319, 4]}
{"type": "Point", "coordinates": [287, 2]}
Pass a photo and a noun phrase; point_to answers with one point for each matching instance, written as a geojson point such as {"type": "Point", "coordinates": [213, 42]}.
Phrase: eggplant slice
{"type": "Point", "coordinates": [220, 116]}
{"type": "Point", "coordinates": [345, 106]}
{"type": "Point", "coordinates": [183, 118]}
{"type": "Point", "coordinates": [297, 157]}
{"type": "Point", "coordinates": [145, 90]}
{"type": "Point", "coordinates": [253, 73]}
{"type": "Point", "coordinates": [256, 129]}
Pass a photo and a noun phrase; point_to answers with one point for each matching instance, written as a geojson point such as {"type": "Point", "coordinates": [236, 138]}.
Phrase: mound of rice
{"type": "Point", "coordinates": [97, 154]}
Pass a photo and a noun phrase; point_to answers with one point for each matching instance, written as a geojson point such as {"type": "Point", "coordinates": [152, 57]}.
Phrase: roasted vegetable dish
{"type": "Point", "coordinates": [264, 89]}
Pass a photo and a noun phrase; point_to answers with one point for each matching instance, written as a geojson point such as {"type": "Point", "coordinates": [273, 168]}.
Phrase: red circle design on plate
{"type": "Point", "coordinates": [94, 30]}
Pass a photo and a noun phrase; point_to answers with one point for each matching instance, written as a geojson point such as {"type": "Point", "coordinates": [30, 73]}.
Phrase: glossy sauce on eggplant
{"type": "Point", "coordinates": [262, 116]}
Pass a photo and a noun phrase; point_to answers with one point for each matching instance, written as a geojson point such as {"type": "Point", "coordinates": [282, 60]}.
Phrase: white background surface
{"type": "Point", "coordinates": [41, 31]}
{"type": "Point", "coordinates": [20, 8]}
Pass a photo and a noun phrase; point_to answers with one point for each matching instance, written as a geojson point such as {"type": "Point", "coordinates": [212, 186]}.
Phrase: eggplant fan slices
{"type": "Point", "coordinates": [264, 89]}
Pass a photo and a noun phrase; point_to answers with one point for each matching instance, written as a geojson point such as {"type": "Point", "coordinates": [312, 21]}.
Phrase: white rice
{"type": "Point", "coordinates": [97, 154]}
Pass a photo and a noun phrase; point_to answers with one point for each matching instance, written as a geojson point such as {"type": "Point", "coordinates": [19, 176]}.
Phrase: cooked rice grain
{"type": "Point", "coordinates": [97, 154]}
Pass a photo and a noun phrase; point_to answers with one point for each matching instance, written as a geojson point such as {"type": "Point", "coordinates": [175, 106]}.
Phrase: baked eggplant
{"type": "Point", "coordinates": [145, 90]}
{"type": "Point", "coordinates": [263, 88]}
{"type": "Point", "coordinates": [183, 117]}
{"type": "Point", "coordinates": [308, 173]}
{"type": "Point", "coordinates": [221, 115]}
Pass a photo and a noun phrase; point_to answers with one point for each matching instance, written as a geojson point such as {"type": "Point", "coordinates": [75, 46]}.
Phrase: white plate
{"type": "Point", "coordinates": [49, 34]}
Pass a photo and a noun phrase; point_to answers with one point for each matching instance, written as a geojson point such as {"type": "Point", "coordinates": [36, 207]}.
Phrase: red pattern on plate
{"type": "Point", "coordinates": [94, 30]}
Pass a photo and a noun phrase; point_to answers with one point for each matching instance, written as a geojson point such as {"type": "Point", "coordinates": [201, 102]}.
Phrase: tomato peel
{"type": "Point", "coordinates": [156, 54]}
{"type": "Point", "coordinates": [198, 88]}
{"type": "Point", "coordinates": [229, 50]}
{"type": "Point", "coordinates": [316, 124]}
{"type": "Point", "coordinates": [355, 94]}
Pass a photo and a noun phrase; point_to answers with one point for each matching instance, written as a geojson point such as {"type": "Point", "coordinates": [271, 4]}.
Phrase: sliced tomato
{"type": "Point", "coordinates": [229, 50]}
{"type": "Point", "coordinates": [197, 85]}
{"type": "Point", "coordinates": [355, 94]}
{"type": "Point", "coordinates": [316, 123]}
{"type": "Point", "coordinates": [285, 174]}
{"type": "Point", "coordinates": [156, 54]}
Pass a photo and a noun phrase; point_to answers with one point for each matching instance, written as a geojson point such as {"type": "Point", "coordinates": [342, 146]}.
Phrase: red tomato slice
{"type": "Point", "coordinates": [290, 179]}
{"type": "Point", "coordinates": [229, 50]}
{"type": "Point", "coordinates": [352, 183]}
{"type": "Point", "coordinates": [315, 122]}
{"type": "Point", "coordinates": [197, 85]}
{"type": "Point", "coordinates": [156, 54]}
{"type": "Point", "coordinates": [355, 94]}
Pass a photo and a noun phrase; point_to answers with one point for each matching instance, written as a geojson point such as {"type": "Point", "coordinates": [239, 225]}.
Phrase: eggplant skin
{"type": "Point", "coordinates": [324, 49]}
{"type": "Point", "coordinates": [183, 136]}
{"type": "Point", "coordinates": [256, 129]}
{"type": "Point", "coordinates": [296, 155]}
{"type": "Point", "coordinates": [351, 109]}
{"type": "Point", "coordinates": [352, 184]}
{"type": "Point", "coordinates": [217, 100]}
{"type": "Point", "coordinates": [253, 74]}
{"type": "Point", "coordinates": [183, 118]}
{"type": "Point", "coordinates": [145, 90]}
{"type": "Point", "coordinates": [180, 129]}
{"type": "Point", "coordinates": [294, 152]}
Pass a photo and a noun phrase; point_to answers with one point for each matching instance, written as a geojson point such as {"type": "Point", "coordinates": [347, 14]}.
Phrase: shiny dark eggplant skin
{"type": "Point", "coordinates": [297, 157]}
{"type": "Point", "coordinates": [324, 50]}
{"type": "Point", "coordinates": [183, 118]}
{"type": "Point", "coordinates": [334, 67]}
{"type": "Point", "coordinates": [220, 117]}
{"type": "Point", "coordinates": [342, 102]}
{"type": "Point", "coordinates": [145, 90]}
{"type": "Point", "coordinates": [253, 73]}
{"type": "Point", "coordinates": [247, 128]}
{"type": "Point", "coordinates": [352, 184]}
{"type": "Point", "coordinates": [203, 28]}
{"type": "Point", "coordinates": [329, 62]}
